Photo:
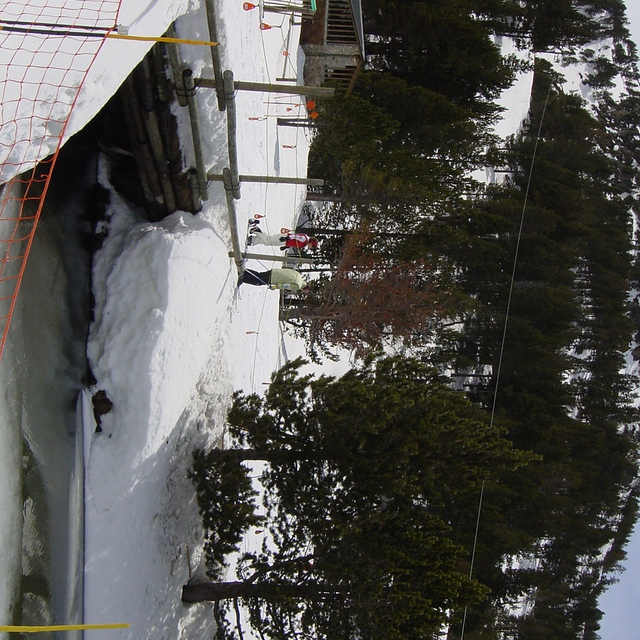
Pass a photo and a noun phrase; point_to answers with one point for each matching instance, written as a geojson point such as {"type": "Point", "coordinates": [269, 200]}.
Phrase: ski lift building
{"type": "Point", "coordinates": [333, 43]}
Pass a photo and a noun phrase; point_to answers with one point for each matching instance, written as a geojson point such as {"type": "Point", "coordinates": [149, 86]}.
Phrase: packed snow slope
{"type": "Point", "coordinates": [172, 338]}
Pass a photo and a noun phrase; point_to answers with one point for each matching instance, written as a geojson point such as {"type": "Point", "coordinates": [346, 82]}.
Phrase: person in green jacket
{"type": "Point", "coordinates": [287, 279]}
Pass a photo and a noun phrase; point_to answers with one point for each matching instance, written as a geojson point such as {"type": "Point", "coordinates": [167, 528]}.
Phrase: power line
{"type": "Point", "coordinates": [504, 333]}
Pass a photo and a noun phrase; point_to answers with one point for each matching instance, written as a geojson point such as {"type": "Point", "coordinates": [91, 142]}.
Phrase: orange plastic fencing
{"type": "Point", "coordinates": [46, 50]}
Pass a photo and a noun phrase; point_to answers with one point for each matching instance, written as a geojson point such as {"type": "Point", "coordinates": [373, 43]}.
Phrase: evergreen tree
{"type": "Point", "coordinates": [360, 470]}
{"type": "Point", "coordinates": [552, 246]}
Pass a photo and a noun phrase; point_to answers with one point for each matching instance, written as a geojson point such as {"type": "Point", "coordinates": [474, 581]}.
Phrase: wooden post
{"type": "Point", "coordinates": [144, 93]}
{"type": "Point", "coordinates": [233, 223]}
{"type": "Point", "coordinates": [190, 90]}
{"type": "Point", "coordinates": [229, 95]}
{"type": "Point", "coordinates": [141, 149]}
{"type": "Point", "coordinates": [293, 89]}
{"type": "Point", "coordinates": [176, 68]}
{"type": "Point", "coordinates": [298, 122]}
{"type": "Point", "coordinates": [196, 200]}
{"type": "Point", "coordinates": [160, 78]}
{"type": "Point", "coordinates": [272, 257]}
{"type": "Point", "coordinates": [312, 182]}
{"type": "Point", "coordinates": [215, 54]}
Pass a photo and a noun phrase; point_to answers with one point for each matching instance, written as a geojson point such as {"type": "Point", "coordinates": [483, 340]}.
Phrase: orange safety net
{"type": "Point", "coordinates": [46, 50]}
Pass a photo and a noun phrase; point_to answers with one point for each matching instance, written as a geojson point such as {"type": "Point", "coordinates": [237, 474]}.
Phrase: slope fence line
{"type": "Point", "coordinates": [41, 77]}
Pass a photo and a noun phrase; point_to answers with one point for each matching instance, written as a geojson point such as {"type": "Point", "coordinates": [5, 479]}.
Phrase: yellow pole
{"type": "Point", "coordinates": [62, 627]}
{"type": "Point", "coordinates": [123, 36]}
{"type": "Point", "coordinates": [50, 31]}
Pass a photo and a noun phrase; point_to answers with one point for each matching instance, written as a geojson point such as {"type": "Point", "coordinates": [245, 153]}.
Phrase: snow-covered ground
{"type": "Point", "coordinates": [172, 335]}
{"type": "Point", "coordinates": [171, 339]}
{"type": "Point", "coordinates": [40, 75]}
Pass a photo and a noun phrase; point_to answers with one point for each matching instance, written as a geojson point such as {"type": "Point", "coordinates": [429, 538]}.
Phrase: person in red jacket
{"type": "Point", "coordinates": [285, 241]}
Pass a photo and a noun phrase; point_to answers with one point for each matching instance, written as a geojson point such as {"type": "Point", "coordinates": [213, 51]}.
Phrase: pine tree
{"type": "Point", "coordinates": [359, 474]}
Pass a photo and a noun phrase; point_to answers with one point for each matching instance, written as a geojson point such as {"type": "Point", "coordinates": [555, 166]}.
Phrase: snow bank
{"type": "Point", "coordinates": [171, 339]}
{"type": "Point", "coordinates": [46, 79]}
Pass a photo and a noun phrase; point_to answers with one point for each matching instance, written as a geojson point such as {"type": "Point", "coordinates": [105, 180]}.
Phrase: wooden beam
{"type": "Point", "coordinates": [272, 257]}
{"type": "Point", "coordinates": [293, 89]}
{"type": "Point", "coordinates": [311, 182]}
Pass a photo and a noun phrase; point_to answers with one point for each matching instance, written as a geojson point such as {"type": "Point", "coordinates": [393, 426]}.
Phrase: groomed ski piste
{"type": "Point", "coordinates": [173, 337]}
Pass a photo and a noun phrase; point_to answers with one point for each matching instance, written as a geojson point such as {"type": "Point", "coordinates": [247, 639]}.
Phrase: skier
{"type": "Point", "coordinates": [284, 240]}
{"type": "Point", "coordinates": [288, 279]}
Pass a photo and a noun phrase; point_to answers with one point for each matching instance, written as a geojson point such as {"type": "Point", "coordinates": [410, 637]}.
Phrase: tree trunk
{"type": "Point", "coordinates": [315, 313]}
{"type": "Point", "coordinates": [321, 231]}
{"type": "Point", "coordinates": [241, 455]}
{"type": "Point", "coordinates": [312, 196]}
{"type": "Point", "coordinates": [215, 591]}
